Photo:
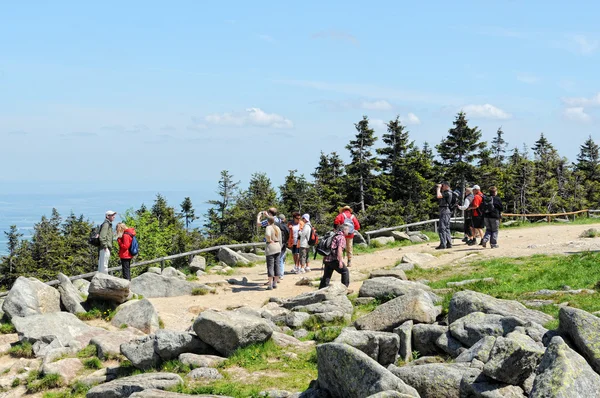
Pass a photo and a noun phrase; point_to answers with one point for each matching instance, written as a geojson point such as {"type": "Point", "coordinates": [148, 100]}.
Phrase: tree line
{"type": "Point", "coordinates": [386, 185]}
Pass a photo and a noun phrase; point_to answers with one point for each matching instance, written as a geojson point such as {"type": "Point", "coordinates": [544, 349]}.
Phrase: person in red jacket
{"type": "Point", "coordinates": [124, 237]}
{"type": "Point", "coordinates": [347, 218]}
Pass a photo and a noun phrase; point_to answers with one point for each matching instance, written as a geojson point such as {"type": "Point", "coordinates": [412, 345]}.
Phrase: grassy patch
{"type": "Point", "coordinates": [22, 350]}
{"type": "Point", "coordinates": [77, 390]}
{"type": "Point", "coordinates": [161, 323]}
{"type": "Point", "coordinates": [88, 352]}
{"type": "Point", "coordinates": [364, 309]}
{"type": "Point", "coordinates": [590, 233]}
{"type": "Point", "coordinates": [175, 366]}
{"type": "Point", "coordinates": [200, 291]}
{"type": "Point", "coordinates": [191, 278]}
{"type": "Point", "coordinates": [92, 363]}
{"type": "Point", "coordinates": [100, 310]}
{"type": "Point", "coordinates": [35, 383]}
{"type": "Point", "coordinates": [7, 328]}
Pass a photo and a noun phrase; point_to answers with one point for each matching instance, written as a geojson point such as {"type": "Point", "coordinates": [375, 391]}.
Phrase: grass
{"type": "Point", "coordinates": [7, 328]}
{"type": "Point", "coordinates": [364, 309]}
{"type": "Point", "coordinates": [22, 350]}
{"type": "Point", "coordinates": [175, 366]}
{"type": "Point", "coordinates": [200, 291]}
{"type": "Point", "coordinates": [100, 310]}
{"type": "Point", "coordinates": [36, 382]}
{"type": "Point", "coordinates": [77, 390]}
{"type": "Point", "coordinates": [590, 233]}
{"type": "Point", "coordinates": [161, 323]}
{"type": "Point", "coordinates": [88, 352]}
{"type": "Point", "coordinates": [92, 363]}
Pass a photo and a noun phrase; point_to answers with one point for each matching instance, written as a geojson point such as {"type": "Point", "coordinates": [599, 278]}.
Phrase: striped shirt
{"type": "Point", "coordinates": [265, 222]}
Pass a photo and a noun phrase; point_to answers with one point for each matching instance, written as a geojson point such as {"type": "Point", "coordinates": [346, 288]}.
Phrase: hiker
{"type": "Point", "coordinates": [477, 215]}
{"type": "Point", "coordinates": [284, 238]}
{"type": "Point", "coordinates": [304, 246]}
{"type": "Point", "coordinates": [272, 251]}
{"type": "Point", "coordinates": [335, 260]}
{"type": "Point", "coordinates": [468, 228]}
{"type": "Point", "coordinates": [492, 213]}
{"type": "Point", "coordinates": [294, 227]}
{"type": "Point", "coordinates": [272, 212]}
{"type": "Point", "coordinates": [346, 217]}
{"type": "Point", "coordinates": [124, 238]}
{"type": "Point", "coordinates": [444, 195]}
{"type": "Point", "coordinates": [106, 236]}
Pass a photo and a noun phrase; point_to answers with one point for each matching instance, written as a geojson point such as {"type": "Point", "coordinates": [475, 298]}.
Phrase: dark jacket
{"type": "Point", "coordinates": [107, 235]}
{"type": "Point", "coordinates": [497, 203]}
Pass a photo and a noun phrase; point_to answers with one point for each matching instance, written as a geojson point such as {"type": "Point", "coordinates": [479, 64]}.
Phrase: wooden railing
{"type": "Point", "coordinates": [407, 226]}
{"type": "Point", "coordinates": [549, 216]}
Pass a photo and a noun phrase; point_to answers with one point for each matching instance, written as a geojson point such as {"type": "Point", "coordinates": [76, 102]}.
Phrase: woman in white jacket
{"type": "Point", "coordinates": [304, 246]}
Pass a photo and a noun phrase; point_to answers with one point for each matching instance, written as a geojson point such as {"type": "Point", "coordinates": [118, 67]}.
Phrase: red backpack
{"type": "Point", "coordinates": [313, 237]}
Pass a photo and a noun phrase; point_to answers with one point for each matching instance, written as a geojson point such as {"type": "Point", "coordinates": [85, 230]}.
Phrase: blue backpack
{"type": "Point", "coordinates": [134, 248]}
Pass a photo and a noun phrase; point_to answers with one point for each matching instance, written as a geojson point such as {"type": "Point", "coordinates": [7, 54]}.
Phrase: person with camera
{"type": "Point", "coordinates": [272, 212]}
{"type": "Point", "coordinates": [444, 196]}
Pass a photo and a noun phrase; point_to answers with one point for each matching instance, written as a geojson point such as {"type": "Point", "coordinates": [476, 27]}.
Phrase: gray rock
{"type": "Point", "coordinates": [336, 362]}
{"type": "Point", "coordinates": [29, 296]}
{"type": "Point", "coordinates": [228, 331]}
{"type": "Point", "coordinates": [109, 344]}
{"type": "Point", "coordinates": [107, 287]}
{"type": "Point", "coordinates": [152, 285]}
{"type": "Point", "coordinates": [475, 326]}
{"type": "Point", "coordinates": [139, 314]}
{"type": "Point", "coordinates": [230, 257]}
{"type": "Point", "coordinates": [424, 337]}
{"type": "Point", "coordinates": [204, 374]}
{"type": "Point", "coordinates": [65, 326]}
{"type": "Point", "coordinates": [70, 297]}
{"type": "Point", "coordinates": [66, 368]}
{"type": "Point", "coordinates": [479, 351]}
{"type": "Point", "coordinates": [171, 272]}
{"type": "Point", "coordinates": [382, 240]}
{"type": "Point", "coordinates": [198, 263]}
{"type": "Point", "coordinates": [154, 270]}
{"type": "Point", "coordinates": [434, 380]}
{"type": "Point", "coordinates": [380, 346]}
{"type": "Point", "coordinates": [512, 360]}
{"type": "Point", "coordinates": [386, 288]}
{"type": "Point", "coordinates": [200, 273]}
{"type": "Point", "coordinates": [126, 386]}
{"type": "Point", "coordinates": [405, 266]}
{"type": "Point", "coordinates": [466, 302]}
{"type": "Point", "coordinates": [154, 393]}
{"type": "Point", "coordinates": [100, 376]}
{"type": "Point", "coordinates": [484, 387]}
{"type": "Point", "coordinates": [45, 344]}
{"type": "Point", "coordinates": [82, 285]}
{"type": "Point", "coordinates": [563, 373]}
{"type": "Point", "coordinates": [328, 293]}
{"type": "Point", "coordinates": [300, 333]}
{"type": "Point", "coordinates": [394, 273]}
{"type": "Point", "coordinates": [416, 239]}
{"type": "Point", "coordinates": [416, 306]}
{"type": "Point", "coordinates": [253, 258]}
{"type": "Point", "coordinates": [400, 236]}
{"type": "Point", "coordinates": [296, 319]}
{"type": "Point", "coordinates": [450, 345]}
{"type": "Point", "coordinates": [287, 341]}
{"type": "Point", "coordinates": [417, 258]}
{"type": "Point", "coordinates": [404, 332]}
{"type": "Point", "coordinates": [141, 353]}
{"type": "Point", "coordinates": [201, 361]}
{"type": "Point", "coordinates": [336, 308]}
{"type": "Point", "coordinates": [582, 328]}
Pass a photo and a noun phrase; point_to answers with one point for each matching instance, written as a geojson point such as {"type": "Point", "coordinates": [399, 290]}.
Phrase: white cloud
{"type": "Point", "coordinates": [577, 114]}
{"type": "Point", "coordinates": [411, 118]}
{"type": "Point", "coordinates": [336, 35]}
{"type": "Point", "coordinates": [527, 78]}
{"type": "Point", "coordinates": [485, 111]}
{"type": "Point", "coordinates": [582, 45]}
{"type": "Point", "coordinates": [582, 101]}
{"type": "Point", "coordinates": [378, 124]}
{"type": "Point", "coordinates": [252, 117]}
{"type": "Point", "coordinates": [380, 105]}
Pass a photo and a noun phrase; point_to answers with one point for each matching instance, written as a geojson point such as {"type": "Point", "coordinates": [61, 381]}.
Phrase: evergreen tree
{"type": "Point", "coordinates": [218, 216]}
{"type": "Point", "coordinates": [164, 213]}
{"type": "Point", "coordinates": [588, 160]}
{"type": "Point", "coordinates": [363, 165]}
{"type": "Point", "coordinates": [392, 159]}
{"type": "Point", "coordinates": [294, 192]}
{"type": "Point", "coordinates": [498, 148]}
{"type": "Point", "coordinates": [187, 211]}
{"type": "Point", "coordinates": [13, 237]}
{"type": "Point", "coordinates": [329, 180]}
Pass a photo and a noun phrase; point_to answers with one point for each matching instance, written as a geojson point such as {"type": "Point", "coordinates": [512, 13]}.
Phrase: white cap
{"type": "Point", "coordinates": [476, 187]}
{"type": "Point", "coordinates": [306, 217]}
{"type": "Point", "coordinates": [110, 213]}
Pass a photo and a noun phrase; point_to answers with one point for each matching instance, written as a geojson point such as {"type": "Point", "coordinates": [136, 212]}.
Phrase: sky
{"type": "Point", "coordinates": [164, 95]}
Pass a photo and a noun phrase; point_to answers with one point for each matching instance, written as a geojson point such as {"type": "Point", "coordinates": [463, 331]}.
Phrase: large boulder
{"type": "Point", "coordinates": [228, 331]}
{"type": "Point", "coordinates": [415, 305]}
{"type": "Point", "coordinates": [152, 285]}
{"type": "Point", "coordinates": [347, 372]}
{"type": "Point", "coordinates": [424, 337]}
{"type": "Point", "coordinates": [381, 346]}
{"type": "Point", "coordinates": [404, 332]}
{"type": "Point", "coordinates": [198, 263]}
{"type": "Point", "coordinates": [66, 327]}
{"type": "Point", "coordinates": [139, 314]}
{"type": "Point", "coordinates": [154, 393]}
{"type": "Point", "coordinates": [231, 258]}
{"type": "Point", "coordinates": [110, 288]}
{"type": "Point", "coordinates": [70, 297]}
{"type": "Point", "coordinates": [477, 325]}
{"type": "Point", "coordinates": [201, 361]}
{"type": "Point", "coordinates": [417, 258]}
{"type": "Point", "coordinates": [126, 386]}
{"type": "Point", "coordinates": [109, 344]}
{"type": "Point", "coordinates": [388, 287]}
{"type": "Point", "coordinates": [82, 285]}
{"type": "Point", "coordinates": [513, 359]}
{"type": "Point", "coordinates": [467, 301]}
{"type": "Point", "coordinates": [328, 293]}
{"type": "Point", "coordinates": [67, 368]}
{"type": "Point", "coordinates": [382, 240]}
{"type": "Point", "coordinates": [171, 272]}
{"type": "Point", "coordinates": [327, 304]}
{"type": "Point", "coordinates": [563, 373]}
{"type": "Point", "coordinates": [434, 380]}
{"type": "Point", "coordinates": [394, 273]}
{"type": "Point", "coordinates": [253, 258]}
{"type": "Point", "coordinates": [583, 329]}
{"type": "Point", "coordinates": [29, 296]}
{"type": "Point", "coordinates": [479, 351]}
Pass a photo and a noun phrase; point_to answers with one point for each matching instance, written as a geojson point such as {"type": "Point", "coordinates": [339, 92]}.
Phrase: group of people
{"type": "Point", "coordinates": [481, 211]}
{"type": "Point", "coordinates": [124, 239]}
{"type": "Point", "coordinates": [297, 235]}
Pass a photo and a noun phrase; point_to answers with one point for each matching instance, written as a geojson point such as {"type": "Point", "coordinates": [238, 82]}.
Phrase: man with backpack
{"type": "Point", "coordinates": [447, 201]}
{"type": "Point", "coordinates": [492, 212]}
{"type": "Point", "coordinates": [334, 260]}
{"type": "Point", "coordinates": [285, 234]}
{"type": "Point", "coordinates": [468, 219]}
{"type": "Point", "coordinates": [477, 215]}
{"type": "Point", "coordinates": [347, 218]}
{"type": "Point", "coordinates": [106, 236]}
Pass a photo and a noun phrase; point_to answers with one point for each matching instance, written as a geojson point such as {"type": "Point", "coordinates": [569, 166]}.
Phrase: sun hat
{"type": "Point", "coordinates": [306, 217]}
{"type": "Point", "coordinates": [346, 208]}
{"type": "Point", "coordinates": [110, 213]}
{"type": "Point", "coordinates": [476, 187]}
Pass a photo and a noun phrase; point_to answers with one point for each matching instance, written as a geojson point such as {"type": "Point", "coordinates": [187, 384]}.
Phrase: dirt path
{"type": "Point", "coordinates": [178, 313]}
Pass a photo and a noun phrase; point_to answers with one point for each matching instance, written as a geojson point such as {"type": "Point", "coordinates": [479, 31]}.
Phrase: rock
{"type": "Point", "coordinates": [126, 386]}
{"type": "Point", "coordinates": [200, 273]}
{"type": "Point", "coordinates": [201, 361]}
{"type": "Point", "coordinates": [467, 301]}
{"type": "Point", "coordinates": [198, 263]}
{"type": "Point", "coordinates": [171, 272]}
{"type": "Point", "coordinates": [382, 240]}
{"type": "Point", "coordinates": [154, 393]}
{"type": "Point", "coordinates": [253, 258]}
{"type": "Point", "coordinates": [139, 314]}
{"type": "Point", "coordinates": [109, 344]}
{"type": "Point", "coordinates": [66, 327]}
{"type": "Point", "coordinates": [349, 373]}
{"type": "Point", "coordinates": [582, 328]}
{"type": "Point", "coordinates": [154, 270]}
{"type": "Point", "coordinates": [416, 306]}
{"type": "Point", "coordinates": [484, 387]}
{"type": "Point", "coordinates": [228, 331]}
{"type": "Point", "coordinates": [470, 282]}
{"type": "Point", "coordinates": [358, 239]}
{"type": "Point", "coordinates": [424, 337]}
{"type": "Point", "coordinates": [204, 374]}
{"type": "Point", "coordinates": [284, 340]}
{"type": "Point", "coordinates": [479, 351]}
{"type": "Point", "coordinates": [107, 287]}
{"type": "Point", "coordinates": [416, 239]}
{"type": "Point", "coordinates": [513, 359]}
{"type": "Point", "coordinates": [404, 332]}
{"type": "Point", "coordinates": [380, 346]}
{"type": "Point", "coordinates": [304, 281]}
{"type": "Point", "coordinates": [100, 376]}
{"type": "Point", "coordinates": [231, 258]}
{"type": "Point", "coordinates": [300, 333]}
{"type": "Point", "coordinates": [450, 345]}
{"type": "Point", "coordinates": [29, 296]}
{"type": "Point", "coordinates": [70, 297]}
{"type": "Point", "coordinates": [66, 368]}
{"type": "Point", "coordinates": [386, 288]}
{"type": "Point", "coordinates": [400, 236]}
{"type": "Point", "coordinates": [151, 285]}
{"type": "Point", "coordinates": [405, 267]}
{"type": "Point", "coordinates": [563, 373]}
{"type": "Point", "coordinates": [475, 326]}
{"type": "Point", "coordinates": [389, 394]}
{"type": "Point", "coordinates": [329, 310]}
{"type": "Point", "coordinates": [296, 319]}
{"type": "Point", "coordinates": [417, 258]}
{"type": "Point", "coordinates": [434, 380]}
{"type": "Point", "coordinates": [82, 285]}
{"type": "Point", "coordinates": [394, 273]}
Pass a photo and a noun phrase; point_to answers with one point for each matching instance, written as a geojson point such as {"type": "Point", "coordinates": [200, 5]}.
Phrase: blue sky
{"type": "Point", "coordinates": [151, 95]}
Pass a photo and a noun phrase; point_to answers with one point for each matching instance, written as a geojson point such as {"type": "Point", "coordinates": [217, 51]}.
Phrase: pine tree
{"type": "Point", "coordinates": [228, 189]}
{"type": "Point", "coordinates": [329, 180]}
{"type": "Point", "coordinates": [13, 237]}
{"type": "Point", "coordinates": [363, 165]}
{"type": "Point", "coordinates": [187, 211]}
{"type": "Point", "coordinates": [164, 213]}
{"type": "Point", "coordinates": [295, 191]}
{"type": "Point", "coordinates": [498, 148]}
{"type": "Point", "coordinates": [588, 160]}
{"type": "Point", "coordinates": [392, 161]}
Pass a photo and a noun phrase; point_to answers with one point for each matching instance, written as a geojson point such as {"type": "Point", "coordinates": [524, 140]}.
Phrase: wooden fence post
{"type": "Point", "coordinates": [162, 265]}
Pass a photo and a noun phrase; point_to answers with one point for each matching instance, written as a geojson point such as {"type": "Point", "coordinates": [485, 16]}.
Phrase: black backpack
{"type": "Point", "coordinates": [94, 238]}
{"type": "Point", "coordinates": [453, 201]}
{"type": "Point", "coordinates": [285, 233]}
{"type": "Point", "coordinates": [487, 206]}
{"type": "Point", "coordinates": [324, 244]}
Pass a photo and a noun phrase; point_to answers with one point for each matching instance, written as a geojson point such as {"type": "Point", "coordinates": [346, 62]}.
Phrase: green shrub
{"type": "Point", "coordinates": [87, 352]}
{"type": "Point", "coordinates": [22, 350]}
{"type": "Point", "coordinates": [92, 363]}
{"type": "Point", "coordinates": [175, 366]}
{"type": "Point", "coordinates": [7, 328]}
{"type": "Point", "coordinates": [200, 291]}
{"type": "Point", "coordinates": [45, 383]}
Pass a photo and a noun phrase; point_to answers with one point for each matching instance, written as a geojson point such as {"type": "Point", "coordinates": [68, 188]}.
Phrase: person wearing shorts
{"type": "Point", "coordinates": [304, 246]}
{"type": "Point", "coordinates": [295, 226]}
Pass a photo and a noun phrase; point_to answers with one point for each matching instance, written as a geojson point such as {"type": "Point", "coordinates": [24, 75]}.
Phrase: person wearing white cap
{"type": "Point", "coordinates": [106, 236]}
{"type": "Point", "coordinates": [304, 246]}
